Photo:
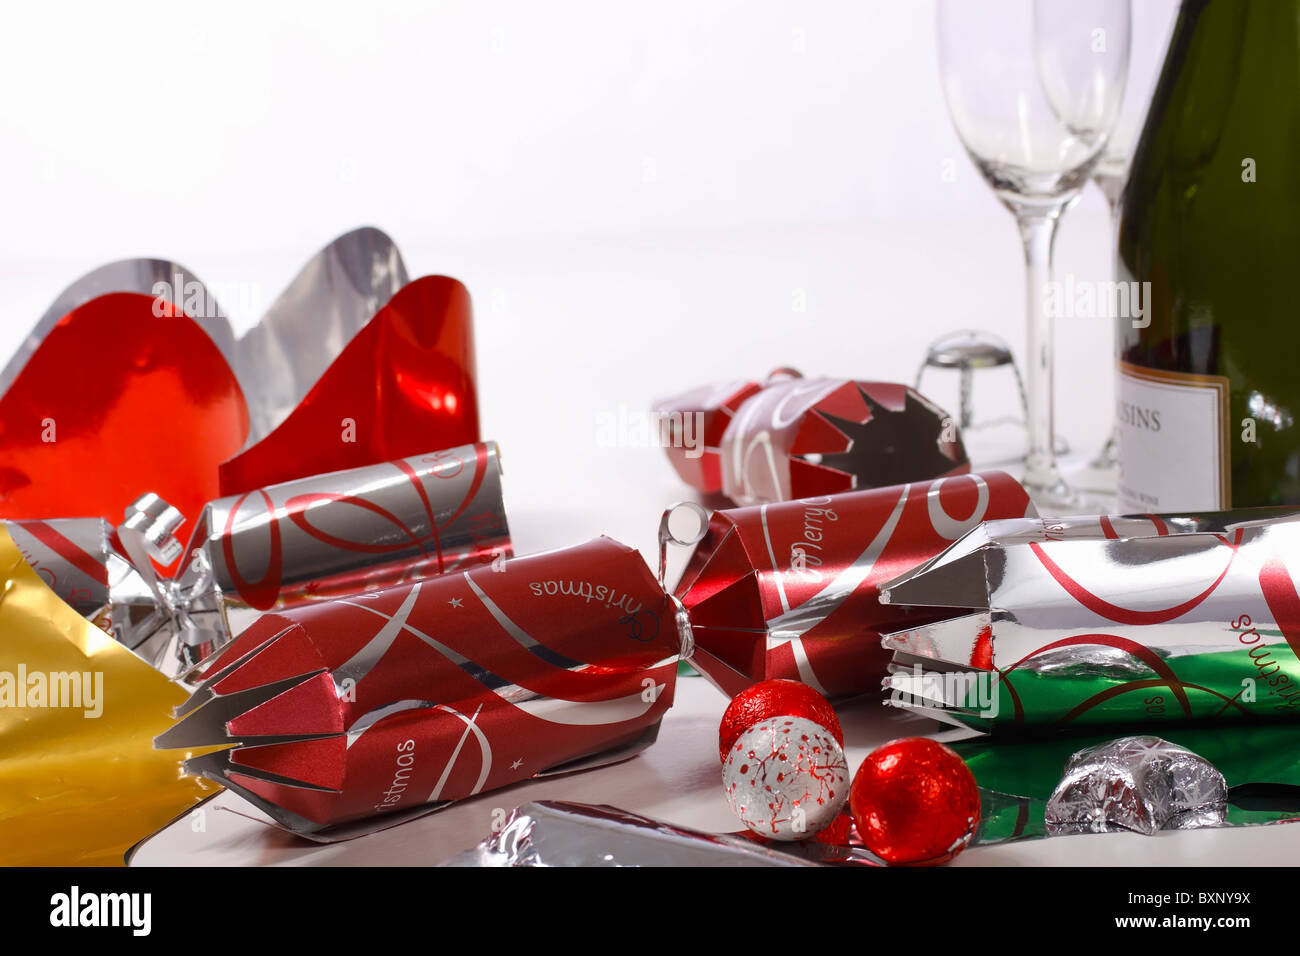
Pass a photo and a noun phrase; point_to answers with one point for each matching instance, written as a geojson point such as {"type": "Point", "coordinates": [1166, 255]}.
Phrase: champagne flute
{"type": "Point", "coordinates": [1110, 174]}
{"type": "Point", "coordinates": [1033, 88]}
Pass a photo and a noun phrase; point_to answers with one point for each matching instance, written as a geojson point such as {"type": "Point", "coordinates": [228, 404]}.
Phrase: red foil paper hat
{"type": "Point", "coordinates": [125, 393]}
{"type": "Point", "coordinates": [404, 384]}
{"type": "Point", "coordinates": [116, 401]}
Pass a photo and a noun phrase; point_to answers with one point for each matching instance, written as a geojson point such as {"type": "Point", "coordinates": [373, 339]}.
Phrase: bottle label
{"type": "Point", "coordinates": [1173, 441]}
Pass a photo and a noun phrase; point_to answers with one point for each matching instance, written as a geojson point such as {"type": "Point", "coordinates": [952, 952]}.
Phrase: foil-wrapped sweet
{"type": "Point", "coordinates": [1140, 784]}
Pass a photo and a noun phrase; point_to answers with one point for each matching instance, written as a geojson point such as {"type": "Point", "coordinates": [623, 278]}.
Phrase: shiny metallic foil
{"type": "Point", "coordinates": [405, 382]}
{"type": "Point", "coordinates": [792, 437]}
{"type": "Point", "coordinates": [1105, 621]}
{"type": "Point", "coordinates": [141, 276]}
{"type": "Point", "coordinates": [560, 833]}
{"type": "Point", "coordinates": [553, 833]}
{"type": "Point", "coordinates": [81, 560]}
{"type": "Point", "coordinates": [1141, 784]}
{"type": "Point", "coordinates": [79, 780]}
{"type": "Point", "coordinates": [309, 324]}
{"type": "Point", "coordinates": [1017, 777]}
{"type": "Point", "coordinates": [158, 338]}
{"type": "Point", "coordinates": [792, 589]}
{"type": "Point", "coordinates": [367, 709]}
{"type": "Point", "coordinates": [279, 359]}
{"type": "Point", "coordinates": [329, 535]}
{"type": "Point", "coordinates": [274, 548]}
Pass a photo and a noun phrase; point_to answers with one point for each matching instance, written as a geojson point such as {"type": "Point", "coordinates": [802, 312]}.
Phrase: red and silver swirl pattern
{"type": "Point", "coordinates": [405, 697]}
{"type": "Point", "coordinates": [792, 589]}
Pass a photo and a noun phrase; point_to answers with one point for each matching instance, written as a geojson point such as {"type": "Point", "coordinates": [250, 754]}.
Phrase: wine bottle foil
{"type": "Point", "coordinates": [281, 546]}
{"type": "Point", "coordinates": [791, 590]}
{"type": "Point", "coordinates": [791, 437]}
{"type": "Point", "coordinates": [1142, 620]}
{"type": "Point", "coordinates": [360, 712]}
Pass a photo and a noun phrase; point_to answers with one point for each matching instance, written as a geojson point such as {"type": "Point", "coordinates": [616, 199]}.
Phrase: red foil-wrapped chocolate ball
{"type": "Point", "coordinates": [914, 802]}
{"type": "Point", "coordinates": [775, 698]}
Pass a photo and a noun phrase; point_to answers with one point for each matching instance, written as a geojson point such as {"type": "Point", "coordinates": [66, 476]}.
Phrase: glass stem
{"type": "Point", "coordinates": [1108, 458]}
{"type": "Point", "coordinates": [1038, 230]}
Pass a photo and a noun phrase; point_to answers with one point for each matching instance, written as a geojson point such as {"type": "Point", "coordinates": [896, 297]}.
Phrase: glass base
{"type": "Point", "coordinates": [1079, 489]}
{"type": "Point", "coordinates": [1108, 457]}
{"type": "Point", "coordinates": [1094, 490]}
{"type": "Point", "coordinates": [1064, 498]}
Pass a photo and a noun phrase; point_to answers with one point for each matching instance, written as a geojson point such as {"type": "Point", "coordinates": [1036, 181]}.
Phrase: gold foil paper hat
{"type": "Point", "coordinates": [80, 780]}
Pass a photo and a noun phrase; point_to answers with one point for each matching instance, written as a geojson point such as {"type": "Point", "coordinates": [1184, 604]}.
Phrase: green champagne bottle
{"type": "Point", "coordinates": [1209, 372]}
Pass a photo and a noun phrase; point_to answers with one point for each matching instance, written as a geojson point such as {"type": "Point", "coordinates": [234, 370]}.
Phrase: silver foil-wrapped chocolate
{"type": "Point", "coordinates": [270, 549]}
{"type": "Point", "coordinates": [1139, 784]}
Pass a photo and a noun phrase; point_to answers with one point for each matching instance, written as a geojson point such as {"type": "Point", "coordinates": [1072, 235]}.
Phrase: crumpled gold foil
{"type": "Point", "coordinates": [78, 789]}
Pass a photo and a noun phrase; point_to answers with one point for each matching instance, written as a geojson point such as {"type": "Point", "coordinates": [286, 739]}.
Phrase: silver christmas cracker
{"type": "Point", "coordinates": [272, 548]}
{"type": "Point", "coordinates": [1105, 620]}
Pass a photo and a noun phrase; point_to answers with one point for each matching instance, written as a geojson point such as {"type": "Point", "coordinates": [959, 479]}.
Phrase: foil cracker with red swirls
{"type": "Point", "coordinates": [792, 437]}
{"type": "Point", "coordinates": [85, 564]}
{"type": "Point", "coordinates": [695, 422]}
{"type": "Point", "coordinates": [791, 590]}
{"type": "Point", "coordinates": [396, 701]}
{"type": "Point", "coordinates": [1115, 621]}
{"type": "Point", "coordinates": [276, 547]}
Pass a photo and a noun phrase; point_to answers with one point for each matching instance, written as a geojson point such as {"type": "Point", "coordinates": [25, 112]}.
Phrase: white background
{"type": "Point", "coordinates": [636, 194]}
{"type": "Point", "coordinates": [205, 131]}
